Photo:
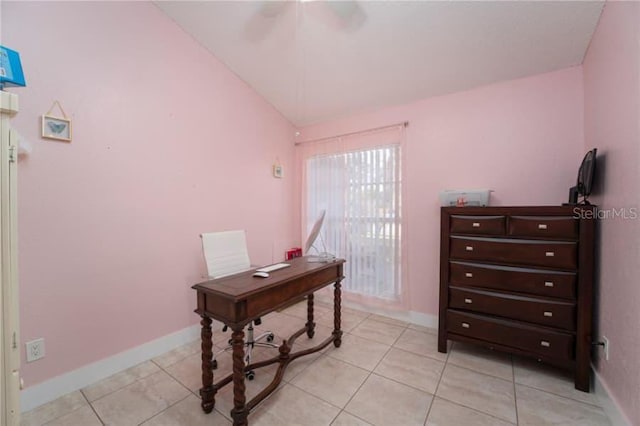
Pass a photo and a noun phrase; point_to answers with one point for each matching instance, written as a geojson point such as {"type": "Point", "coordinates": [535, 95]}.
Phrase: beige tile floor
{"type": "Point", "coordinates": [386, 373]}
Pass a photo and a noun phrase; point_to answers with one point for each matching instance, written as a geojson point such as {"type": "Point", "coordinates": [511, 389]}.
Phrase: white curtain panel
{"type": "Point", "coordinates": [357, 180]}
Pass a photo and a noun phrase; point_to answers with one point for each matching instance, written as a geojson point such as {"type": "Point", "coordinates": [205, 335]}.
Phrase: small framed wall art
{"type": "Point", "coordinates": [56, 128]}
{"type": "Point", "coordinates": [277, 171]}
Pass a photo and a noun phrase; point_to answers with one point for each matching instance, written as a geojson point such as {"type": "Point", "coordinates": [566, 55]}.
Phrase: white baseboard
{"type": "Point", "coordinates": [607, 402]}
{"type": "Point", "coordinates": [418, 318]}
{"type": "Point", "coordinates": [425, 320]}
{"type": "Point", "coordinates": [47, 391]}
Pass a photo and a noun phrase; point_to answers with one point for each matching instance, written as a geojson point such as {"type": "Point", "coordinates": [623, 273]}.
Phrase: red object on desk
{"type": "Point", "coordinates": [293, 253]}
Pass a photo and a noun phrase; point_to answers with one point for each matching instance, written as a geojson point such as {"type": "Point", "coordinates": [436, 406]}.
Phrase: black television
{"type": "Point", "coordinates": [584, 184]}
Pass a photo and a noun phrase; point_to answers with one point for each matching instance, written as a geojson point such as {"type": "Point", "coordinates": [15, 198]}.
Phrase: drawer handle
{"type": "Point", "coordinates": [469, 248]}
{"type": "Point", "coordinates": [469, 301]}
{"type": "Point", "coordinates": [548, 313]}
{"type": "Point", "coordinates": [542, 226]}
{"type": "Point", "coordinates": [550, 254]}
{"type": "Point", "coordinates": [465, 325]}
{"type": "Point", "coordinates": [545, 343]}
{"type": "Point", "coordinates": [476, 224]}
{"type": "Point", "coordinates": [468, 275]}
{"type": "Point", "coordinates": [548, 283]}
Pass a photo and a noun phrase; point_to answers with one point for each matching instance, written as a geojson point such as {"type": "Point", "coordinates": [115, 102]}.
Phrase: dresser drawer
{"type": "Point", "coordinates": [538, 340]}
{"type": "Point", "coordinates": [485, 225]}
{"type": "Point", "coordinates": [523, 280]}
{"type": "Point", "coordinates": [543, 226]}
{"type": "Point", "coordinates": [540, 311]}
{"type": "Point", "coordinates": [519, 252]}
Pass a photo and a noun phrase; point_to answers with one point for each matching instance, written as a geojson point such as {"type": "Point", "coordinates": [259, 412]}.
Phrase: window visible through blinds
{"type": "Point", "coordinates": [360, 191]}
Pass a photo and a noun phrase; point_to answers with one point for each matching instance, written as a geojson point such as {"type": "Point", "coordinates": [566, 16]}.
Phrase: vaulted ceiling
{"type": "Point", "coordinates": [315, 61]}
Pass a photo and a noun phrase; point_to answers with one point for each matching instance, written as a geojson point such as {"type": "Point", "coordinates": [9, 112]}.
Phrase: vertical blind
{"type": "Point", "coordinates": [360, 190]}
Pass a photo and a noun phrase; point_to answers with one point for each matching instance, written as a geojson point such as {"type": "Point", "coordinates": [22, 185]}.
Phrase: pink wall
{"type": "Point", "coordinates": [612, 124]}
{"type": "Point", "coordinates": [167, 143]}
{"type": "Point", "coordinates": [521, 138]}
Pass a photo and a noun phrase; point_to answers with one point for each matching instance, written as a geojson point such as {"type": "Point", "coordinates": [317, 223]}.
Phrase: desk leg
{"type": "Point", "coordinates": [310, 324]}
{"type": "Point", "coordinates": [207, 392]}
{"type": "Point", "coordinates": [337, 298]}
{"type": "Point", "coordinates": [239, 412]}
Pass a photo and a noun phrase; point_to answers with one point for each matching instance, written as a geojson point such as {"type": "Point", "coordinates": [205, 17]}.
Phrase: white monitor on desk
{"type": "Point", "coordinates": [311, 239]}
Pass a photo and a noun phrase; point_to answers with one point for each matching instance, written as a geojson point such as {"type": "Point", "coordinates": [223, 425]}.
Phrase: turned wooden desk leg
{"type": "Point", "coordinates": [239, 412]}
{"type": "Point", "coordinates": [207, 392]}
{"type": "Point", "coordinates": [337, 299]}
{"type": "Point", "coordinates": [310, 324]}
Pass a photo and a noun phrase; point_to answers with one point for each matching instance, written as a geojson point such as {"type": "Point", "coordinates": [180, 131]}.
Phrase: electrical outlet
{"type": "Point", "coordinates": [605, 348]}
{"type": "Point", "coordinates": [35, 350]}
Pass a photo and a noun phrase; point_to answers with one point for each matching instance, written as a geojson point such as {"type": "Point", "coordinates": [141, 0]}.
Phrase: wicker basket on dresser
{"type": "Point", "coordinates": [520, 280]}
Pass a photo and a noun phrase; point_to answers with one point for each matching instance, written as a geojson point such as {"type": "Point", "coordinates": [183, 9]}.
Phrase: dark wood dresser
{"type": "Point", "coordinates": [520, 280]}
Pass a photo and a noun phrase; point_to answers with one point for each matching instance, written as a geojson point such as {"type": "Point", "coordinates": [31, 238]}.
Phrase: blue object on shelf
{"type": "Point", "coordinates": [10, 68]}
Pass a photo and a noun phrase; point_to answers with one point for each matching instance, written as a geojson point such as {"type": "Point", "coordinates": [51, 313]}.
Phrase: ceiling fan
{"type": "Point", "coordinates": [344, 15]}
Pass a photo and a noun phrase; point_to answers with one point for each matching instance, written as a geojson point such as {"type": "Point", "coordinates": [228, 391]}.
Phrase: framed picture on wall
{"type": "Point", "coordinates": [57, 128]}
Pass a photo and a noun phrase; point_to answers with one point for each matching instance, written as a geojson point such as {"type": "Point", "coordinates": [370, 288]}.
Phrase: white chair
{"type": "Point", "coordinates": [226, 254]}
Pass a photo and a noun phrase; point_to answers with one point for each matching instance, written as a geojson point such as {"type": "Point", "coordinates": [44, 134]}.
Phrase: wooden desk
{"type": "Point", "coordinates": [237, 300]}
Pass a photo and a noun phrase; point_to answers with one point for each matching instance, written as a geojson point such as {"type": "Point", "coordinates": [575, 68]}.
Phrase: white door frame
{"type": "Point", "coordinates": [9, 331]}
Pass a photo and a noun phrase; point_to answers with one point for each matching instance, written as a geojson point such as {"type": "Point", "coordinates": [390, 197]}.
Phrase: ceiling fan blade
{"type": "Point", "coordinates": [271, 9]}
{"type": "Point", "coordinates": [346, 15]}
{"type": "Point", "coordinates": [264, 19]}
{"type": "Point", "coordinates": [345, 9]}
{"type": "Point", "coordinates": [350, 13]}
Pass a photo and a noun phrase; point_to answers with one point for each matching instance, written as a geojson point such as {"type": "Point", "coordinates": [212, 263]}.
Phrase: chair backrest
{"type": "Point", "coordinates": [225, 253]}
